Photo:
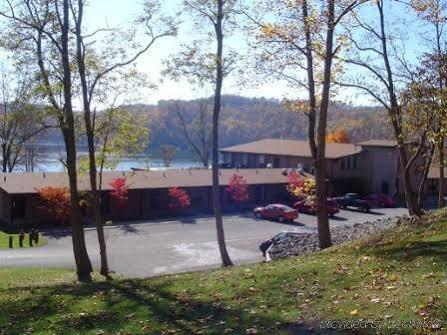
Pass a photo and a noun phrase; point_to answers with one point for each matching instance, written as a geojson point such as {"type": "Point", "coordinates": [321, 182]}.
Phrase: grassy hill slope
{"type": "Point", "coordinates": [396, 279]}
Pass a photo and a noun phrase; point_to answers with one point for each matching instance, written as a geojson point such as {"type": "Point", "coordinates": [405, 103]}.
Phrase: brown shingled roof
{"type": "Point", "coordinates": [292, 148]}
{"type": "Point", "coordinates": [378, 143]}
{"type": "Point", "coordinates": [22, 183]}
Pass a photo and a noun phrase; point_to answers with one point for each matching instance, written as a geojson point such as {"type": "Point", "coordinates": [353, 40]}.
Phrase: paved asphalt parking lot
{"type": "Point", "coordinates": [152, 248]}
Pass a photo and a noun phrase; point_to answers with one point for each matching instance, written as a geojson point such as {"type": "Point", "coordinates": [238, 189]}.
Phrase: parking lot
{"type": "Point", "coordinates": [158, 247]}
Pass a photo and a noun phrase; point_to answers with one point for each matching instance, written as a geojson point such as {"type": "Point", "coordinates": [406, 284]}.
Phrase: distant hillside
{"type": "Point", "coordinates": [248, 119]}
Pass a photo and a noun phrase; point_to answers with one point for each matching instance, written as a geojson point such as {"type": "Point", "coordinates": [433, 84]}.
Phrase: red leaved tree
{"type": "Point", "coordinates": [120, 190]}
{"type": "Point", "coordinates": [238, 189]}
{"type": "Point", "coordinates": [55, 202]}
{"type": "Point", "coordinates": [178, 198]}
{"type": "Point", "coordinates": [295, 181]}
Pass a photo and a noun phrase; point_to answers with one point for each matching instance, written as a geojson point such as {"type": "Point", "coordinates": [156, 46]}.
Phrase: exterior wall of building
{"type": "Point", "coordinates": [381, 169]}
{"type": "Point", "coordinates": [344, 174]}
{"type": "Point", "coordinates": [5, 208]}
{"type": "Point", "coordinates": [142, 204]}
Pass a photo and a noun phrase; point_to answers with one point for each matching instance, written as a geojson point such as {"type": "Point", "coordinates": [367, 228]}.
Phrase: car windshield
{"type": "Point", "coordinates": [352, 195]}
{"type": "Point", "coordinates": [284, 208]}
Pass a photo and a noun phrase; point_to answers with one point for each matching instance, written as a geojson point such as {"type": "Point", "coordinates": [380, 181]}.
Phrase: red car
{"type": "Point", "coordinates": [279, 212]}
{"type": "Point", "coordinates": [381, 200]}
{"type": "Point", "coordinates": [306, 208]}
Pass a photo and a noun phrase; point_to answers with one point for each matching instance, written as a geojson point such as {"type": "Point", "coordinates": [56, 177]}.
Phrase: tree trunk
{"type": "Point", "coordinates": [422, 182]}
{"type": "Point", "coordinates": [95, 194]}
{"type": "Point", "coordinates": [324, 233]}
{"type": "Point", "coordinates": [410, 197]}
{"type": "Point", "coordinates": [5, 159]}
{"type": "Point", "coordinates": [441, 202]}
{"type": "Point", "coordinates": [83, 264]}
{"type": "Point", "coordinates": [395, 117]}
{"type": "Point", "coordinates": [226, 261]}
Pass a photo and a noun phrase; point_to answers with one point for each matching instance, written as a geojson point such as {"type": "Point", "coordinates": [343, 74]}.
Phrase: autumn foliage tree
{"type": "Point", "coordinates": [178, 198]}
{"type": "Point", "coordinates": [120, 190]}
{"type": "Point", "coordinates": [299, 42]}
{"type": "Point", "coordinates": [55, 202]}
{"type": "Point", "coordinates": [338, 136]}
{"type": "Point", "coordinates": [238, 189]}
{"type": "Point", "coordinates": [300, 187]}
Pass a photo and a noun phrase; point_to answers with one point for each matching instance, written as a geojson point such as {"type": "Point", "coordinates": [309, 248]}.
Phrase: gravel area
{"type": "Point", "coordinates": [300, 244]}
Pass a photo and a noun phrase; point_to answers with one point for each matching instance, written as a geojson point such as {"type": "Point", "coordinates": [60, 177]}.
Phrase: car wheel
{"type": "Point", "coordinates": [281, 219]}
{"type": "Point", "coordinates": [366, 209]}
{"type": "Point", "coordinates": [258, 215]}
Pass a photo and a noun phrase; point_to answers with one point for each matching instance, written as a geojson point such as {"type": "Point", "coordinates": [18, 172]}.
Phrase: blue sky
{"type": "Point", "coordinates": [101, 13]}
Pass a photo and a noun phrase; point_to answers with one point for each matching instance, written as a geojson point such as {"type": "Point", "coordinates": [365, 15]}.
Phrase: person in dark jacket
{"type": "Point", "coordinates": [264, 246]}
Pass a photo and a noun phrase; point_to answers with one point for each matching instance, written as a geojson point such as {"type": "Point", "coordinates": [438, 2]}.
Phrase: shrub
{"type": "Point", "coordinates": [238, 189]}
{"type": "Point", "coordinates": [178, 198]}
{"type": "Point", "coordinates": [120, 190]}
{"type": "Point", "coordinates": [55, 202]}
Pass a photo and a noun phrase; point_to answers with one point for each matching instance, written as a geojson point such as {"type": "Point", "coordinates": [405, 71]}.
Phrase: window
{"type": "Point", "coordinates": [349, 163]}
{"type": "Point", "coordinates": [244, 160]}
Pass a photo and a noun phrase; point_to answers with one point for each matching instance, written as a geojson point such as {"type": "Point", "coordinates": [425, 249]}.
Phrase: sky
{"type": "Point", "coordinates": [103, 12]}
{"type": "Point", "coordinates": [115, 13]}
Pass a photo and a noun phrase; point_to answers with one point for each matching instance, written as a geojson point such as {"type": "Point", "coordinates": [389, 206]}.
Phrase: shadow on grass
{"type": "Point", "coordinates": [412, 250]}
{"type": "Point", "coordinates": [127, 305]}
{"type": "Point", "coordinates": [133, 307]}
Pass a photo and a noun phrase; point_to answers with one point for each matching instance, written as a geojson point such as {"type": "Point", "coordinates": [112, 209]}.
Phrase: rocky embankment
{"type": "Point", "coordinates": [300, 244]}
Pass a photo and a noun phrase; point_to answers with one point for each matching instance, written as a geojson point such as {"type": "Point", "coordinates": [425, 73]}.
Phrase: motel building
{"type": "Point", "coordinates": [148, 193]}
{"type": "Point", "coordinates": [367, 167]}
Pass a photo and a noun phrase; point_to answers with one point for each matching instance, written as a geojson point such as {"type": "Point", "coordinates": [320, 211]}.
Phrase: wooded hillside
{"type": "Point", "coordinates": [248, 119]}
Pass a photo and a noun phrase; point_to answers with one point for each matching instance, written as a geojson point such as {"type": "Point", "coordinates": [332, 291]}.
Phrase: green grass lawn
{"type": "Point", "coordinates": [4, 241]}
{"type": "Point", "coordinates": [396, 279]}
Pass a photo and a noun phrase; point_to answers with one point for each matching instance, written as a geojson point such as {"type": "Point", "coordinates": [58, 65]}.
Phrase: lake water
{"type": "Point", "coordinates": [49, 161]}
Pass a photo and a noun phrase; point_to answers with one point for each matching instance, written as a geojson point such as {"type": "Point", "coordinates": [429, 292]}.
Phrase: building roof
{"type": "Point", "coordinates": [292, 148]}
{"type": "Point", "coordinates": [378, 143]}
{"type": "Point", "coordinates": [26, 183]}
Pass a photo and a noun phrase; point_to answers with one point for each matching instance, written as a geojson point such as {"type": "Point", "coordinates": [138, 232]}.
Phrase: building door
{"type": "Point", "coordinates": [18, 207]}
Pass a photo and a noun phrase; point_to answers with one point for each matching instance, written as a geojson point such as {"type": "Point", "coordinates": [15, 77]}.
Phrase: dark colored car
{"type": "Point", "coordinates": [306, 208]}
{"type": "Point", "coordinates": [353, 200]}
{"type": "Point", "coordinates": [279, 212]}
{"type": "Point", "coordinates": [381, 200]}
